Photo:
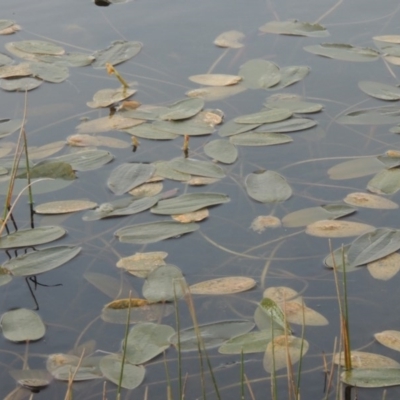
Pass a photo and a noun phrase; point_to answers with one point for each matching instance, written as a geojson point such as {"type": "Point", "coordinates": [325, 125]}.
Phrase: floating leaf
{"type": "Point", "coordinates": [295, 27]}
{"type": "Point", "coordinates": [259, 74]}
{"type": "Point", "coordinates": [32, 379]}
{"type": "Point", "coordinates": [67, 60]}
{"type": "Point", "coordinates": [389, 339]}
{"type": "Point", "coordinates": [232, 128]}
{"type": "Point", "coordinates": [49, 72]}
{"type": "Point", "coordinates": [201, 181]}
{"type": "Point", "coordinates": [267, 187]}
{"type": "Point", "coordinates": [344, 52]}
{"type": "Point", "coordinates": [51, 169]}
{"type": "Point", "coordinates": [268, 315]}
{"type": "Point", "coordinates": [388, 39]}
{"type": "Point", "coordinates": [197, 167]}
{"type": "Point", "coordinates": [165, 169]}
{"type": "Point", "coordinates": [132, 375]}
{"type": "Point", "coordinates": [105, 124]}
{"type": "Point", "coordinates": [38, 47]}
{"type": "Point", "coordinates": [126, 206]}
{"type": "Point", "coordinates": [368, 200]}
{"type": "Point", "coordinates": [31, 237]}
{"type": "Point", "coordinates": [150, 131]}
{"type": "Point", "coordinates": [9, 126]}
{"type": "Point", "coordinates": [373, 246]}
{"type": "Point", "coordinates": [296, 106]}
{"type": "Point", "coordinates": [380, 90]}
{"type": "Point", "coordinates": [309, 215]}
{"type": "Point", "coordinates": [227, 285]}
{"type": "Point", "coordinates": [128, 176]}
{"type": "Point", "coordinates": [371, 378]}
{"type": "Point", "coordinates": [385, 268]}
{"type": "Point", "coordinates": [64, 206]}
{"type": "Point", "coordinates": [188, 203]}
{"type": "Point", "coordinates": [153, 232]}
{"type": "Point", "coordinates": [252, 342]}
{"type": "Point", "coordinates": [291, 75]}
{"type": "Point", "coordinates": [39, 261]}
{"type": "Point", "coordinates": [146, 341]}
{"type": "Point", "coordinates": [212, 335]}
{"type": "Point", "coordinates": [182, 109]}
{"type": "Point", "coordinates": [191, 127]}
{"type": "Point", "coordinates": [282, 347]}
{"type": "Point", "coordinates": [141, 264]}
{"type": "Point", "coordinates": [230, 39]}
{"type": "Point", "coordinates": [146, 190]}
{"type": "Point", "coordinates": [46, 150]}
{"type": "Point", "coordinates": [355, 168]}
{"type": "Point", "coordinates": [6, 27]}
{"type": "Point", "coordinates": [88, 140]}
{"type": "Point", "coordinates": [194, 216]}
{"type": "Point", "coordinates": [282, 294]}
{"type": "Point", "coordinates": [86, 160]}
{"type": "Point", "coordinates": [165, 283]}
{"type": "Point", "coordinates": [339, 255]}
{"type": "Point", "coordinates": [13, 71]}
{"type": "Point", "coordinates": [222, 151]}
{"type": "Point", "coordinates": [362, 359]}
{"type": "Point", "coordinates": [372, 116]}
{"type": "Point", "coordinates": [297, 313]}
{"type": "Point", "coordinates": [5, 276]}
{"type": "Point", "coordinates": [290, 125]}
{"type": "Point", "coordinates": [22, 325]}
{"type": "Point", "coordinates": [334, 229]}
{"type": "Point", "coordinates": [215, 79]}
{"type": "Point", "coordinates": [5, 60]}
{"type": "Point", "coordinates": [107, 97]}
{"type": "Point", "coordinates": [385, 182]}
{"type": "Point", "coordinates": [259, 139]}
{"type": "Point", "coordinates": [118, 52]}
{"type": "Point", "coordinates": [214, 93]}
{"type": "Point", "coordinates": [262, 222]}
{"type": "Point", "coordinates": [20, 84]}
{"type": "Point", "coordinates": [39, 186]}
{"type": "Point", "coordinates": [264, 117]}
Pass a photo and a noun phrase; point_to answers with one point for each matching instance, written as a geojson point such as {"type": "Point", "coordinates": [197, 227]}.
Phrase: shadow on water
{"type": "Point", "coordinates": [177, 43]}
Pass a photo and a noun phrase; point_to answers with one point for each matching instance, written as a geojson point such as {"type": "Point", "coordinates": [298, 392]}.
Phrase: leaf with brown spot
{"type": "Point", "coordinates": [227, 285]}
{"type": "Point", "coordinates": [389, 339]}
{"type": "Point", "coordinates": [386, 267]}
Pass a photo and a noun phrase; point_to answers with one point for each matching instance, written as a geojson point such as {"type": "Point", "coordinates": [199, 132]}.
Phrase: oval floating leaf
{"type": "Point", "coordinates": [296, 28]}
{"type": "Point", "coordinates": [107, 97]}
{"type": "Point", "coordinates": [334, 229]}
{"type": "Point", "coordinates": [64, 206]}
{"type": "Point", "coordinates": [215, 79]}
{"type": "Point", "coordinates": [21, 325]}
{"type": "Point", "coordinates": [368, 200]}
{"type": "Point", "coordinates": [128, 176]}
{"type": "Point", "coordinates": [227, 285]}
{"type": "Point", "coordinates": [385, 182]}
{"type": "Point", "coordinates": [372, 116]}
{"type": "Point", "coordinates": [252, 342]}
{"type": "Point", "coordinates": [232, 128]}
{"type": "Point", "coordinates": [389, 338]}
{"type": "Point", "coordinates": [49, 72]}
{"type": "Point", "coordinates": [154, 231]}
{"type": "Point", "coordinates": [380, 90]}
{"type": "Point", "coordinates": [344, 52]}
{"type": "Point", "coordinates": [264, 117]}
{"type": "Point", "coordinates": [259, 74]}
{"type": "Point", "coordinates": [222, 151]}
{"type": "Point", "coordinates": [259, 139]}
{"type": "Point", "coordinates": [197, 167]}
{"type": "Point", "coordinates": [296, 106]}
{"type": "Point", "coordinates": [267, 187]}
{"type": "Point", "coordinates": [31, 237]}
{"type": "Point", "coordinates": [385, 268]}
{"type": "Point", "coordinates": [362, 359]}
{"type": "Point", "coordinates": [262, 222]}
{"type": "Point", "coordinates": [230, 39]}
{"type": "Point", "coordinates": [355, 168]}
{"type": "Point", "coordinates": [40, 261]}
{"type": "Point", "coordinates": [118, 52]}
{"type": "Point", "coordinates": [141, 264]}
{"type": "Point", "coordinates": [38, 47]}
{"type": "Point", "coordinates": [268, 315]}
{"type": "Point", "coordinates": [290, 125]}
{"type": "Point", "coordinates": [291, 75]}
{"type": "Point", "coordinates": [182, 109]}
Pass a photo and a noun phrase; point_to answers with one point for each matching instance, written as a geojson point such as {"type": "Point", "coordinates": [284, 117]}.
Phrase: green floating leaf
{"type": "Point", "coordinates": [127, 206]}
{"type": "Point", "coordinates": [111, 367]}
{"type": "Point", "coordinates": [309, 215]}
{"type": "Point", "coordinates": [213, 335]}
{"type": "Point", "coordinates": [165, 283]}
{"type": "Point", "coordinates": [150, 131]}
{"type": "Point", "coordinates": [68, 60]}
{"type": "Point", "coordinates": [86, 160]}
{"type": "Point", "coordinates": [117, 53]}
{"type": "Point", "coordinates": [183, 109]}
{"type": "Point", "coordinates": [290, 125]}
{"type": "Point", "coordinates": [110, 286]}
{"type": "Point", "coordinates": [259, 139]}
{"type": "Point", "coordinates": [40, 261]}
{"type": "Point", "coordinates": [49, 72]}
{"type": "Point", "coordinates": [362, 359]}
{"type": "Point", "coordinates": [296, 106]}
{"type": "Point", "coordinates": [230, 39]}
{"type": "Point", "coordinates": [107, 97]}
{"type": "Point", "coordinates": [372, 116]}
{"type": "Point", "coordinates": [371, 378]}
{"type": "Point", "coordinates": [31, 237]}
{"type": "Point", "coordinates": [38, 187]}
{"type": "Point", "coordinates": [154, 231]}
{"type": "Point", "coordinates": [344, 52]}
{"type": "Point", "coordinates": [267, 187]}
{"type": "Point", "coordinates": [339, 255]}
{"type": "Point", "coordinates": [128, 176]}
{"type": "Point", "coordinates": [64, 206]}
{"type": "Point", "coordinates": [215, 79]}
{"type": "Point", "coordinates": [385, 182]}
{"type": "Point", "coordinates": [264, 117]}
{"type": "Point", "coordinates": [296, 28]}
{"type": "Point", "coordinates": [389, 338]}
{"type": "Point", "coordinates": [355, 168]}
{"type": "Point", "coordinates": [231, 128]}
{"type": "Point", "coordinates": [22, 325]}
{"type": "Point", "coordinates": [268, 316]}
{"type": "Point", "coordinates": [191, 127]}
{"type": "Point", "coordinates": [51, 169]}
{"type": "Point", "coordinates": [5, 60]}
{"type": "Point", "coordinates": [9, 126]}
{"type": "Point", "coordinates": [336, 229]}
{"type": "Point", "coordinates": [291, 75]}
{"type": "Point", "coordinates": [38, 47]}
{"type": "Point", "coordinates": [165, 169]}
{"type": "Point", "coordinates": [146, 341]}
{"type": "Point", "coordinates": [373, 245]}
{"type": "Point", "coordinates": [197, 167]}
{"type": "Point", "coordinates": [141, 264]}
{"type": "Point", "coordinates": [222, 151]}
{"type": "Point", "coordinates": [20, 84]}
{"type": "Point", "coordinates": [189, 202]}
{"type": "Point", "coordinates": [259, 74]}
{"type": "Point", "coordinates": [214, 93]}
{"type": "Point", "coordinates": [380, 90]}
{"type": "Point", "coordinates": [252, 342]}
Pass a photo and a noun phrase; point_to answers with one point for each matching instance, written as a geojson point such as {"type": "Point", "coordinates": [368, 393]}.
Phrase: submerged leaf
{"type": "Point", "coordinates": [385, 182]}
{"type": "Point", "coordinates": [197, 167]}
{"type": "Point", "coordinates": [20, 84]}
{"type": "Point", "coordinates": [107, 97]}
{"type": "Point", "coordinates": [372, 116]}
{"type": "Point", "coordinates": [362, 359]}
{"type": "Point", "coordinates": [259, 139]}
{"type": "Point", "coordinates": [141, 264]}
{"type": "Point", "coordinates": [371, 378]}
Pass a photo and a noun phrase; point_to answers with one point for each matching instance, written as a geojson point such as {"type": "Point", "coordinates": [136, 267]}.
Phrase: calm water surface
{"type": "Point", "coordinates": [178, 42]}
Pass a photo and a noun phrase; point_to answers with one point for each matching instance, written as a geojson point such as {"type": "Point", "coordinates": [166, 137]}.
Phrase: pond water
{"type": "Point", "coordinates": [177, 39]}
